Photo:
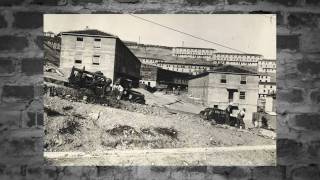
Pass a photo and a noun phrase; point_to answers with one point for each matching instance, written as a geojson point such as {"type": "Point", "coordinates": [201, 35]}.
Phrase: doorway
{"type": "Point", "coordinates": [231, 94]}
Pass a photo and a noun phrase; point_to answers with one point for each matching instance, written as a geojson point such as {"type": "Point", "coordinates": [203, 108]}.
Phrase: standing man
{"type": "Point", "coordinates": [240, 117]}
{"type": "Point", "coordinates": [228, 112]}
{"type": "Point", "coordinates": [118, 89]}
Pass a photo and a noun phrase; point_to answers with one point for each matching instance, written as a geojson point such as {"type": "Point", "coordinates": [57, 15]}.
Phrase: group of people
{"type": "Point", "coordinates": [235, 118]}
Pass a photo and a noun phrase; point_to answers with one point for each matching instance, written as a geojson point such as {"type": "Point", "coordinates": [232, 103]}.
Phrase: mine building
{"type": "Point", "coordinates": [150, 60]}
{"type": "Point", "coordinates": [264, 77]}
{"type": "Point", "coordinates": [193, 52]}
{"type": "Point", "coordinates": [154, 76]}
{"type": "Point", "coordinates": [267, 88]}
{"type": "Point", "coordinates": [52, 40]}
{"type": "Point", "coordinates": [224, 85]}
{"type": "Point", "coordinates": [187, 67]}
{"type": "Point", "coordinates": [237, 59]}
{"type": "Point", "coordinates": [267, 65]}
{"type": "Point", "coordinates": [98, 51]}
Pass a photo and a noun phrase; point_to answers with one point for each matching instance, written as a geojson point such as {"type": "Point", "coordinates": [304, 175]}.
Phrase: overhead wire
{"type": "Point", "coordinates": [194, 36]}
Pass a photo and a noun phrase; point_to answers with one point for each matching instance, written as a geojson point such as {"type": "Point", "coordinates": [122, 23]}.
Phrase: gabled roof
{"type": "Point", "coordinates": [89, 32]}
{"type": "Point", "coordinates": [228, 69]}
{"type": "Point", "coordinates": [232, 70]}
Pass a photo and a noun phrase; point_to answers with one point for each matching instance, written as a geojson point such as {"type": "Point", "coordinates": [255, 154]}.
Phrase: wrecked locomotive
{"type": "Point", "coordinates": [101, 86]}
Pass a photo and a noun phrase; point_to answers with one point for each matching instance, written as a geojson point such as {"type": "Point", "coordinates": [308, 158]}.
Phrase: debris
{"type": "Point", "coordinates": [122, 130]}
{"type": "Point", "coordinates": [71, 127]}
{"type": "Point", "coordinates": [79, 116]}
{"type": "Point", "coordinates": [267, 133]}
{"type": "Point", "coordinates": [147, 131]}
{"type": "Point", "coordinates": [167, 131]}
{"type": "Point", "coordinates": [67, 108]}
{"type": "Point", "coordinates": [51, 112]}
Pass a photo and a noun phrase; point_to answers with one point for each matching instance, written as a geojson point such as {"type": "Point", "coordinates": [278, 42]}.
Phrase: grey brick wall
{"type": "Point", "coordinates": [21, 105]}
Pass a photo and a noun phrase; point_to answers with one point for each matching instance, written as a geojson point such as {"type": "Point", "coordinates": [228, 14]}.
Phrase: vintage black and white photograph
{"type": "Point", "coordinates": [164, 90]}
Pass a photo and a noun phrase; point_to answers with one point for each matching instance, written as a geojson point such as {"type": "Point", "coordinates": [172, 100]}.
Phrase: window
{"type": "Point", "coordinates": [243, 79]}
{"type": "Point", "coordinates": [79, 42]}
{"type": "Point", "coordinates": [223, 78]}
{"type": "Point", "coordinates": [78, 59]}
{"type": "Point", "coordinates": [97, 43]}
{"type": "Point", "coordinates": [242, 95]}
{"type": "Point", "coordinates": [79, 38]}
{"type": "Point", "coordinates": [215, 106]}
{"type": "Point", "coordinates": [96, 60]}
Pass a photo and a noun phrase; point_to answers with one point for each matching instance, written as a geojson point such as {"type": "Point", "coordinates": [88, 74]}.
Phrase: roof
{"type": "Point", "coordinates": [267, 83]}
{"type": "Point", "coordinates": [197, 63]}
{"type": "Point", "coordinates": [264, 74]}
{"type": "Point", "coordinates": [233, 69]}
{"type": "Point", "coordinates": [268, 60]}
{"type": "Point", "coordinates": [244, 54]}
{"type": "Point", "coordinates": [140, 57]}
{"type": "Point", "coordinates": [89, 32]}
{"type": "Point", "coordinates": [228, 69]}
{"type": "Point", "coordinates": [182, 47]}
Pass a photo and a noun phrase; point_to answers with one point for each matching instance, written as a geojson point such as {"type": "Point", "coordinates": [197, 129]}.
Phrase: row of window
{"type": "Point", "coordinates": [262, 80]}
{"type": "Point", "coordinates": [266, 62]}
{"type": "Point", "coordinates": [238, 59]}
{"type": "Point", "coordinates": [184, 66]}
{"type": "Point", "coordinates": [194, 52]}
{"type": "Point", "coordinates": [96, 44]}
{"type": "Point", "coordinates": [243, 79]}
{"type": "Point", "coordinates": [241, 56]}
{"type": "Point", "coordinates": [95, 59]}
{"type": "Point", "coordinates": [269, 91]}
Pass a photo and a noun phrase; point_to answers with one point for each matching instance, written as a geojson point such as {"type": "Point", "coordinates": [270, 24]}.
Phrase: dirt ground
{"type": "Point", "coordinates": [79, 126]}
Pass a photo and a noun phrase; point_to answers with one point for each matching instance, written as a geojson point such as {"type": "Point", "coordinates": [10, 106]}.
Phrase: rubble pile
{"type": "Point", "coordinates": [167, 131]}
{"type": "Point", "coordinates": [80, 95]}
{"type": "Point", "coordinates": [127, 137]}
{"type": "Point", "coordinates": [144, 109]}
{"type": "Point", "coordinates": [70, 127]}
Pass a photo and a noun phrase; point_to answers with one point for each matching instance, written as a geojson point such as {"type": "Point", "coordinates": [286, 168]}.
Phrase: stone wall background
{"type": "Point", "coordinates": [21, 104]}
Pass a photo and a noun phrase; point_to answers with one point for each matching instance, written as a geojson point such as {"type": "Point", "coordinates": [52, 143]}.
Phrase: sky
{"type": "Point", "coordinates": [249, 33]}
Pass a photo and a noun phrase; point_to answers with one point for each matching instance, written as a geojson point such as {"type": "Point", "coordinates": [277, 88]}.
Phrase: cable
{"type": "Point", "coordinates": [188, 34]}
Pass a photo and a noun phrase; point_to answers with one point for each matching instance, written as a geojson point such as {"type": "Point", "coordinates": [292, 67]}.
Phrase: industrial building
{"type": "Point", "coordinates": [267, 88]}
{"type": "Point", "coordinates": [267, 65]}
{"type": "Point", "coordinates": [154, 76]}
{"type": "Point", "coordinates": [193, 52]}
{"type": "Point", "coordinates": [150, 60]}
{"type": "Point", "coordinates": [264, 77]}
{"type": "Point", "coordinates": [225, 84]}
{"type": "Point", "coordinates": [237, 59]}
{"type": "Point", "coordinates": [187, 67]}
{"type": "Point", "coordinates": [98, 51]}
{"type": "Point", "coordinates": [51, 40]}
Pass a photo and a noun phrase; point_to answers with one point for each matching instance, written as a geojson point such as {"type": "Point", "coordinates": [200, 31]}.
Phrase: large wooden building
{"type": "Point", "coordinates": [225, 84]}
{"type": "Point", "coordinates": [98, 51]}
{"type": "Point", "coordinates": [154, 76]}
